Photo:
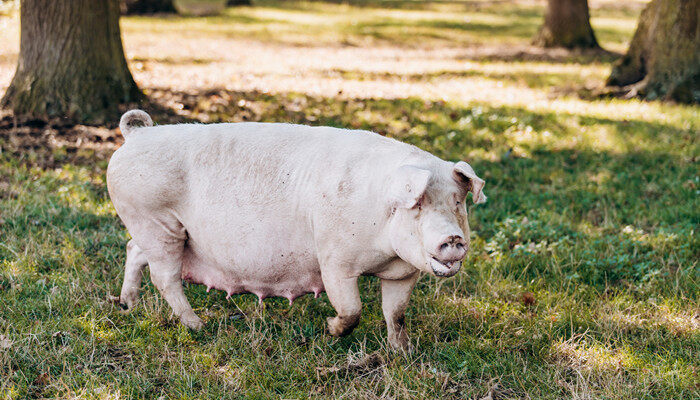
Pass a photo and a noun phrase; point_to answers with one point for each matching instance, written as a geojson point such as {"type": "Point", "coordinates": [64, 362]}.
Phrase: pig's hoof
{"type": "Point", "coordinates": [400, 343]}
{"type": "Point", "coordinates": [341, 326]}
{"type": "Point", "coordinates": [127, 304]}
{"type": "Point", "coordinates": [127, 301]}
{"type": "Point", "coordinates": [192, 322]}
{"type": "Point", "coordinates": [333, 327]}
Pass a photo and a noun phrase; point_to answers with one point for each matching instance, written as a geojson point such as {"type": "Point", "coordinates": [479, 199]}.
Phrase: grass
{"type": "Point", "coordinates": [428, 24]}
{"type": "Point", "coordinates": [583, 281]}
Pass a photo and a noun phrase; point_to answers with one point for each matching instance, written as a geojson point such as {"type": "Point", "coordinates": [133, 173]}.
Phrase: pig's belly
{"type": "Point", "coordinates": [288, 269]}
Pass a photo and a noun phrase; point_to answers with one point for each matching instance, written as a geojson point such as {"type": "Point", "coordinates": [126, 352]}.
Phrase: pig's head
{"type": "Point", "coordinates": [428, 224]}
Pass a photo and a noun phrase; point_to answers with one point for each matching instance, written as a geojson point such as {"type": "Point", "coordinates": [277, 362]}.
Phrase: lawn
{"type": "Point", "coordinates": [583, 281]}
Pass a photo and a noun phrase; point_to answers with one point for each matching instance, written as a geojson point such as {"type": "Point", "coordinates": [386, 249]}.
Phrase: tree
{"type": "Point", "coordinates": [71, 62]}
{"type": "Point", "coordinates": [566, 24]}
{"type": "Point", "coordinates": [663, 60]}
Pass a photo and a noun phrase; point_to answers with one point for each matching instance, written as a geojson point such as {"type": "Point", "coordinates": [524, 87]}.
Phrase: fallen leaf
{"type": "Point", "coordinates": [528, 298]}
{"type": "Point", "coordinates": [369, 361]}
{"type": "Point", "coordinates": [492, 389]}
{"type": "Point", "coordinates": [42, 379]}
{"type": "Point", "coordinates": [323, 371]}
{"type": "Point", "coordinates": [5, 342]}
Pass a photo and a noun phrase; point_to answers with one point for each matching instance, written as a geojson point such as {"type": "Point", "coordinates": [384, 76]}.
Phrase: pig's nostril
{"type": "Point", "coordinates": [460, 246]}
{"type": "Point", "coordinates": [443, 246]}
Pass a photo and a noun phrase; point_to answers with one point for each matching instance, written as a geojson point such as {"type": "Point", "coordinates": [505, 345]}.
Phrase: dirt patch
{"type": "Point", "coordinates": [49, 143]}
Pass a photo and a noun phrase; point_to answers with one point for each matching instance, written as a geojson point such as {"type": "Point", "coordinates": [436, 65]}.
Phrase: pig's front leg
{"type": "Point", "coordinates": [345, 297]}
{"type": "Point", "coordinates": [395, 297]}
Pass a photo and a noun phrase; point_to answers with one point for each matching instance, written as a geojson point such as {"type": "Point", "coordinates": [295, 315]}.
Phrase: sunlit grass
{"type": "Point", "coordinates": [596, 233]}
{"type": "Point", "coordinates": [333, 24]}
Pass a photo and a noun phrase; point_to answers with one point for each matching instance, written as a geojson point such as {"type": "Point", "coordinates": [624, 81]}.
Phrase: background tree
{"type": "Point", "coordinates": [71, 62]}
{"type": "Point", "coordinates": [146, 6]}
{"type": "Point", "coordinates": [566, 24]}
{"type": "Point", "coordinates": [663, 60]}
{"type": "Point", "coordinates": [156, 6]}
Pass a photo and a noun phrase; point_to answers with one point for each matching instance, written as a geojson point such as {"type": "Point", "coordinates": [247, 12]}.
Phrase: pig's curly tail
{"type": "Point", "coordinates": [134, 119]}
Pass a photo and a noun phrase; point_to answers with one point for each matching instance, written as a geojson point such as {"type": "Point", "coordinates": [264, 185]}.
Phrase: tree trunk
{"type": "Point", "coordinates": [566, 24]}
{"type": "Point", "coordinates": [71, 62]}
{"type": "Point", "coordinates": [663, 60]}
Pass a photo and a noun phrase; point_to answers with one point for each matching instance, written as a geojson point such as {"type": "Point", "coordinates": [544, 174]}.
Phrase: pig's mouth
{"type": "Point", "coordinates": [445, 269]}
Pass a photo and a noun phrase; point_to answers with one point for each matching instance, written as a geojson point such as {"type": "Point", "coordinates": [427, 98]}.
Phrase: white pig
{"type": "Point", "coordinates": [285, 210]}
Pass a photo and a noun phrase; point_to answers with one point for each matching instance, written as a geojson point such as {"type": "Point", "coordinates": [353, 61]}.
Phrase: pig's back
{"type": "Point", "coordinates": [256, 163]}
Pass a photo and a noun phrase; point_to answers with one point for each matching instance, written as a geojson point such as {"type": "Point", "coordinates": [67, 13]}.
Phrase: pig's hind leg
{"type": "Point", "coordinates": [166, 273]}
{"type": "Point", "coordinates": [162, 240]}
{"type": "Point", "coordinates": [135, 262]}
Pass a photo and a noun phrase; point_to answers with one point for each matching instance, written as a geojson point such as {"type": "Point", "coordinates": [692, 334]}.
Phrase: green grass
{"type": "Point", "coordinates": [423, 25]}
{"type": "Point", "coordinates": [583, 281]}
{"type": "Point", "coordinates": [604, 240]}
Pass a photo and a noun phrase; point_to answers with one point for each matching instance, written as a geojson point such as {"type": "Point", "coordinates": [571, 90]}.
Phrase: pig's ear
{"type": "Point", "coordinates": [407, 186]}
{"type": "Point", "coordinates": [465, 175]}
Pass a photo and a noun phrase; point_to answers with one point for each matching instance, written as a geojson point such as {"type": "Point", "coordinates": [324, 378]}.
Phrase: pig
{"type": "Point", "coordinates": [285, 210]}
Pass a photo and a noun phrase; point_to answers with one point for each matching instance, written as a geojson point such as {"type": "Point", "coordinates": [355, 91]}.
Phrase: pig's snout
{"type": "Point", "coordinates": [447, 257]}
{"type": "Point", "coordinates": [451, 248]}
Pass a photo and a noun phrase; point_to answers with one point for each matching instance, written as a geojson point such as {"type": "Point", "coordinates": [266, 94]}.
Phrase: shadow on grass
{"type": "Point", "coordinates": [50, 143]}
{"type": "Point", "coordinates": [175, 61]}
{"type": "Point", "coordinates": [533, 53]}
{"type": "Point", "coordinates": [549, 80]}
{"type": "Point", "coordinates": [217, 20]}
{"type": "Point", "coordinates": [401, 32]}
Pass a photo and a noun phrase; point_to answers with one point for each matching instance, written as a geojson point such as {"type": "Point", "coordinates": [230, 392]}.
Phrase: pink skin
{"type": "Point", "coordinates": [285, 210]}
{"type": "Point", "coordinates": [232, 283]}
